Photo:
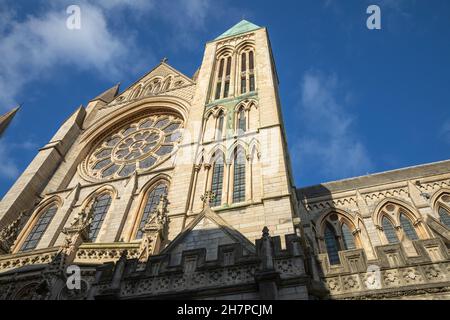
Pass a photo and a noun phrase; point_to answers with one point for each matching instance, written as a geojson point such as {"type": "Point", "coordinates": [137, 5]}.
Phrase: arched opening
{"type": "Point", "coordinates": [217, 178]}
{"type": "Point", "coordinates": [408, 228]}
{"type": "Point", "coordinates": [389, 231]}
{"type": "Point", "coordinates": [332, 245]}
{"type": "Point", "coordinates": [40, 226]}
{"type": "Point", "coordinates": [152, 198]}
{"type": "Point", "coordinates": [100, 208]}
{"type": "Point", "coordinates": [239, 175]}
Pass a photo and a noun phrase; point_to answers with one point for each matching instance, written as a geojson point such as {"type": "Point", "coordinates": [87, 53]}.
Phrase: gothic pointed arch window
{"type": "Point", "coordinates": [389, 230]}
{"type": "Point", "coordinates": [219, 79]}
{"type": "Point", "coordinates": [241, 121]}
{"type": "Point", "coordinates": [332, 244]}
{"type": "Point", "coordinates": [443, 209]}
{"type": "Point", "coordinates": [226, 89]}
{"type": "Point", "coordinates": [444, 216]}
{"type": "Point", "coordinates": [217, 178]}
{"type": "Point", "coordinates": [338, 233]}
{"type": "Point", "coordinates": [100, 208]}
{"type": "Point", "coordinates": [408, 228]}
{"type": "Point", "coordinates": [247, 70]}
{"type": "Point", "coordinates": [40, 226]}
{"type": "Point", "coordinates": [398, 222]}
{"type": "Point", "coordinates": [243, 72]}
{"type": "Point", "coordinates": [251, 64]}
{"type": "Point", "coordinates": [152, 198]}
{"type": "Point", "coordinates": [347, 237]}
{"type": "Point", "coordinates": [239, 175]}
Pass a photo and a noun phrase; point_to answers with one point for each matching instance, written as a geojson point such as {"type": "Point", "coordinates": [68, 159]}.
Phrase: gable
{"type": "Point", "coordinates": [162, 80]}
{"type": "Point", "coordinates": [208, 231]}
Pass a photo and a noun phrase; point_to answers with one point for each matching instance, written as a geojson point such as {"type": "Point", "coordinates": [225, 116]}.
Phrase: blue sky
{"type": "Point", "coordinates": [354, 101]}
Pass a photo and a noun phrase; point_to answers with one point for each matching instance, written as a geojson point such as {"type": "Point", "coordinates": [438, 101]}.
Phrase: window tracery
{"type": "Point", "coordinates": [397, 223]}
{"type": "Point", "coordinates": [138, 146]}
{"type": "Point", "coordinates": [152, 200]}
{"type": "Point", "coordinates": [100, 209]}
{"type": "Point", "coordinates": [39, 228]}
{"type": "Point", "coordinates": [443, 209]}
{"type": "Point", "coordinates": [338, 233]}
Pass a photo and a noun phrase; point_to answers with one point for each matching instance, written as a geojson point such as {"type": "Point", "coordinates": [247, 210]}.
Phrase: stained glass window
{"type": "Point", "coordinates": [239, 176]}
{"type": "Point", "coordinates": [100, 209]}
{"type": "Point", "coordinates": [217, 180]}
{"type": "Point", "coordinates": [219, 79]}
{"type": "Point", "coordinates": [347, 237]}
{"type": "Point", "coordinates": [38, 229]}
{"type": "Point", "coordinates": [153, 198]}
{"type": "Point", "coordinates": [408, 228]}
{"type": "Point", "coordinates": [389, 231]}
{"type": "Point", "coordinates": [332, 245]}
{"type": "Point", "coordinates": [445, 216]}
{"type": "Point", "coordinates": [135, 147]}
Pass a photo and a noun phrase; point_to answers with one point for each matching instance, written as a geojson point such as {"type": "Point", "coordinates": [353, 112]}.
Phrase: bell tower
{"type": "Point", "coordinates": [242, 154]}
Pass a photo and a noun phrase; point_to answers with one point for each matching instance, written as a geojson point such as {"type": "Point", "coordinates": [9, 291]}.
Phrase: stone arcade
{"type": "Point", "coordinates": [180, 187]}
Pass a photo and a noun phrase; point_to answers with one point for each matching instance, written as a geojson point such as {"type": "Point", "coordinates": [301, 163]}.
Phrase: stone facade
{"type": "Point", "coordinates": [181, 187]}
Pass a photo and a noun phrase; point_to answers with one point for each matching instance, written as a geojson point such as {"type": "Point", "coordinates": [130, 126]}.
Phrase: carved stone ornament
{"type": "Point", "coordinates": [155, 230]}
{"type": "Point", "coordinates": [136, 147]}
{"type": "Point", "coordinates": [9, 234]}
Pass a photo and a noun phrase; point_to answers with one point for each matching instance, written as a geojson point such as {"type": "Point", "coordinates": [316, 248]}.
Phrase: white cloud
{"type": "Point", "coordinates": [328, 142]}
{"type": "Point", "coordinates": [8, 166]}
{"type": "Point", "coordinates": [34, 46]}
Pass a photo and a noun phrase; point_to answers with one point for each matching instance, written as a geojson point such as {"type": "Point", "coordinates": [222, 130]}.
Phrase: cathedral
{"type": "Point", "coordinates": [181, 187]}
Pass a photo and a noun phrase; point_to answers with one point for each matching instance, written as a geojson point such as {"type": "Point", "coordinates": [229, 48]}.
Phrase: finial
{"type": "Point", "coordinates": [164, 60]}
{"type": "Point", "coordinates": [208, 197]}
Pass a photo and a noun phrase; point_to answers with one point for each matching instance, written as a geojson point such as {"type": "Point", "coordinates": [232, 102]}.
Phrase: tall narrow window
{"type": "Point", "coordinates": [389, 231]}
{"type": "Point", "coordinates": [100, 207]}
{"type": "Point", "coordinates": [219, 79]}
{"type": "Point", "coordinates": [220, 122]}
{"type": "Point", "coordinates": [243, 72]}
{"type": "Point", "coordinates": [252, 83]}
{"type": "Point", "coordinates": [347, 237]}
{"type": "Point", "coordinates": [39, 228]}
{"type": "Point", "coordinates": [239, 176]}
{"type": "Point", "coordinates": [445, 216]}
{"type": "Point", "coordinates": [408, 228]}
{"type": "Point", "coordinates": [242, 121]}
{"type": "Point", "coordinates": [252, 73]}
{"type": "Point", "coordinates": [152, 201]}
{"type": "Point", "coordinates": [332, 245]}
{"type": "Point", "coordinates": [217, 180]}
{"type": "Point", "coordinates": [226, 88]}
{"type": "Point", "coordinates": [243, 62]}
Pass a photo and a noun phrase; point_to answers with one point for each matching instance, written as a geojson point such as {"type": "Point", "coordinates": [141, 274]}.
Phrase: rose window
{"type": "Point", "coordinates": [135, 147]}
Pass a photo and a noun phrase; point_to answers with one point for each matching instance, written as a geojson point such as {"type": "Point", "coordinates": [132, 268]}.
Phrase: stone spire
{"type": "Point", "coordinates": [6, 119]}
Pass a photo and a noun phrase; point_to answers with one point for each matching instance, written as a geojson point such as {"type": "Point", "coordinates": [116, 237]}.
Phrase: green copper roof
{"type": "Point", "coordinates": [241, 27]}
